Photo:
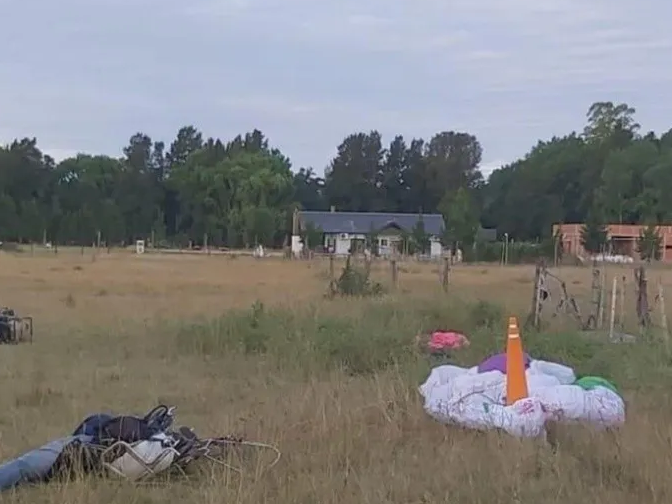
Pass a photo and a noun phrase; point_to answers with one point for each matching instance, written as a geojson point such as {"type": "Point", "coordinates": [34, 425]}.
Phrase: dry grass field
{"type": "Point", "coordinates": [253, 347]}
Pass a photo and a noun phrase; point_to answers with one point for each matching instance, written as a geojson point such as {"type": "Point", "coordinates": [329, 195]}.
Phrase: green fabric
{"type": "Point", "coordinates": [590, 382]}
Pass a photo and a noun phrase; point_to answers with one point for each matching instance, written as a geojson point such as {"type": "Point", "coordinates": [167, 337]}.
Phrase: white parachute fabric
{"type": "Point", "coordinates": [477, 400]}
{"type": "Point", "coordinates": [564, 374]}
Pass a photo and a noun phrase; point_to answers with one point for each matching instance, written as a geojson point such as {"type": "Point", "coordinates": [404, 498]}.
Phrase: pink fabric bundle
{"type": "Point", "coordinates": [447, 340]}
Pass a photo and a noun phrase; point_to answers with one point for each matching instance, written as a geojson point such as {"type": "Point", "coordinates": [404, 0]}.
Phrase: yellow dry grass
{"type": "Point", "coordinates": [105, 340]}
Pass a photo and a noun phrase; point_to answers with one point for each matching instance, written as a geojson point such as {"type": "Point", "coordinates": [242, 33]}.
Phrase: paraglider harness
{"type": "Point", "coordinates": [12, 327]}
{"type": "Point", "coordinates": [110, 439]}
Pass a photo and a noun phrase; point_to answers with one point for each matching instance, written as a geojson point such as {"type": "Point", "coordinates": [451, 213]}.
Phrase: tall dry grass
{"type": "Point", "coordinates": [253, 347]}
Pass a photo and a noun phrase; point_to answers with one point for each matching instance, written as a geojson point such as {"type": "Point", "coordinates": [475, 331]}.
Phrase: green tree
{"type": "Point", "coordinates": [622, 177]}
{"type": "Point", "coordinates": [352, 177]}
{"type": "Point", "coordinates": [420, 237]}
{"type": "Point", "coordinates": [32, 222]}
{"type": "Point", "coordinates": [594, 234]}
{"type": "Point", "coordinates": [460, 217]}
{"type": "Point", "coordinates": [261, 224]}
{"type": "Point", "coordinates": [606, 119]}
{"type": "Point", "coordinates": [240, 191]}
{"type": "Point", "coordinates": [312, 236]}
{"type": "Point", "coordinates": [650, 243]}
{"type": "Point", "coordinates": [9, 218]}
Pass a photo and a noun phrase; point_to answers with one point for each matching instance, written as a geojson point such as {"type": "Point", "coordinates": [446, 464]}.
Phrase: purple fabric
{"type": "Point", "coordinates": [498, 363]}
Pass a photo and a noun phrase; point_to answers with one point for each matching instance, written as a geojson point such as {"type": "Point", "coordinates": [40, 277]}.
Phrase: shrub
{"type": "Point", "coordinates": [484, 314]}
{"type": "Point", "coordinates": [355, 281]}
{"type": "Point", "coordinates": [362, 342]}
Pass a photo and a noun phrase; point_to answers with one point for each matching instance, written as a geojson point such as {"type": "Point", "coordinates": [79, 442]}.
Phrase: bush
{"type": "Point", "coordinates": [310, 342]}
{"type": "Point", "coordinates": [484, 314]}
{"type": "Point", "coordinates": [518, 252]}
{"type": "Point", "coordinates": [355, 281]}
{"type": "Point", "coordinates": [11, 247]}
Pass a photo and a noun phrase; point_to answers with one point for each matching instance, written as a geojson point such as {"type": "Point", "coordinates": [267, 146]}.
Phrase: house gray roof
{"type": "Point", "coordinates": [364, 222]}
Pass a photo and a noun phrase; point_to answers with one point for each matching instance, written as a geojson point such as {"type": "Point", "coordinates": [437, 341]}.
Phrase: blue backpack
{"type": "Point", "coordinates": [107, 429]}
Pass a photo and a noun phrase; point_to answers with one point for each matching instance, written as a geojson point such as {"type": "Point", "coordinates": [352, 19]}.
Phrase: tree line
{"type": "Point", "coordinates": [243, 191]}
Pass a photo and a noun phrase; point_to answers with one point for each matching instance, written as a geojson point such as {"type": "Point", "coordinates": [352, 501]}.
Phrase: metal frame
{"type": "Point", "coordinates": [12, 321]}
{"type": "Point", "coordinates": [120, 448]}
{"type": "Point", "coordinates": [181, 448]}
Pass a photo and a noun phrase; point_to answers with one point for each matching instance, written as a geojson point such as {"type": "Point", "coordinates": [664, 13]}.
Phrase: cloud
{"type": "Point", "coordinates": [59, 154]}
{"type": "Point", "coordinates": [276, 106]}
{"type": "Point", "coordinates": [373, 26]}
{"type": "Point", "coordinates": [308, 73]}
{"type": "Point", "coordinates": [489, 166]}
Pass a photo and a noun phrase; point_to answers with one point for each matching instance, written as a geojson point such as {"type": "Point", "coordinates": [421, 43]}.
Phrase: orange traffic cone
{"type": "Point", "coordinates": [516, 381]}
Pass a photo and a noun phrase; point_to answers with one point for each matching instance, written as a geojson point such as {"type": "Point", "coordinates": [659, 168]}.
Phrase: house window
{"type": "Point", "coordinates": [384, 242]}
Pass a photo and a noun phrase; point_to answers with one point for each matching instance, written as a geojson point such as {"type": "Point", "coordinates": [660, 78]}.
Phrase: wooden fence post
{"type": "Point", "coordinates": [535, 312]}
{"type": "Point", "coordinates": [595, 292]}
{"type": "Point", "coordinates": [445, 276]}
{"type": "Point", "coordinates": [599, 323]}
{"type": "Point", "coordinates": [395, 273]}
{"type": "Point", "coordinates": [643, 315]}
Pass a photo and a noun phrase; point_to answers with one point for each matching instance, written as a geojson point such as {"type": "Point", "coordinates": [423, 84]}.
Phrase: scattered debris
{"type": "Point", "coordinates": [134, 448]}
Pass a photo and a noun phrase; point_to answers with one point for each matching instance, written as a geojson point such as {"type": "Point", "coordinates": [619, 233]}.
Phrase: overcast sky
{"type": "Point", "coordinates": [84, 75]}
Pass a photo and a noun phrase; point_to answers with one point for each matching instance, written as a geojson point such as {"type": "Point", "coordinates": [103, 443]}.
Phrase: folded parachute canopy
{"type": "Point", "coordinates": [475, 397]}
{"type": "Point", "coordinates": [498, 363]}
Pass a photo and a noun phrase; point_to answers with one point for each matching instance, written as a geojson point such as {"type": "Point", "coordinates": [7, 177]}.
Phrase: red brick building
{"type": "Point", "coordinates": [623, 239]}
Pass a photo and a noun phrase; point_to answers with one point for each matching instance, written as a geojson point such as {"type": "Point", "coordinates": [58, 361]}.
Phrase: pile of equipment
{"type": "Point", "coordinates": [13, 328]}
{"type": "Point", "coordinates": [518, 394]}
{"type": "Point", "coordinates": [130, 447]}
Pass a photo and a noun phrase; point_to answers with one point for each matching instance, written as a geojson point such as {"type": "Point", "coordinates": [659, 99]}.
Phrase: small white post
{"type": "Point", "coordinates": [603, 293]}
{"type": "Point", "coordinates": [614, 287]}
{"type": "Point", "coordinates": [621, 305]}
{"type": "Point", "coordinates": [537, 308]}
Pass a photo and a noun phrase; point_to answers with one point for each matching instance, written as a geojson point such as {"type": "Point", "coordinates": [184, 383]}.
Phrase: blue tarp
{"type": "Point", "coordinates": [35, 465]}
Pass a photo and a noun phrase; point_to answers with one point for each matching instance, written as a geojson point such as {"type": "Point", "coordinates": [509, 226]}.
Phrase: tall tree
{"type": "Point", "coordinates": [352, 178]}
{"type": "Point", "coordinates": [242, 190]}
{"type": "Point", "coordinates": [460, 217]}
{"type": "Point", "coordinates": [309, 190]}
{"type": "Point", "coordinates": [594, 234]}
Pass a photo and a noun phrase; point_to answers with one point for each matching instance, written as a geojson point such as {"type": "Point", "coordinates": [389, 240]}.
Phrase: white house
{"type": "Point", "coordinates": [345, 231]}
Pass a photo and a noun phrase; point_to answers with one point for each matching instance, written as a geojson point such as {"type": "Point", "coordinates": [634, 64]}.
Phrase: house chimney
{"type": "Point", "coordinates": [332, 209]}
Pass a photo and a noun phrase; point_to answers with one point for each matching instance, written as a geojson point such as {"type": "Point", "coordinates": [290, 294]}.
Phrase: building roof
{"type": "Point", "coordinates": [364, 222]}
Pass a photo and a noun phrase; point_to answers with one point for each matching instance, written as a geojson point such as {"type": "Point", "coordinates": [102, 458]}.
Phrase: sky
{"type": "Point", "coordinates": [83, 75]}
